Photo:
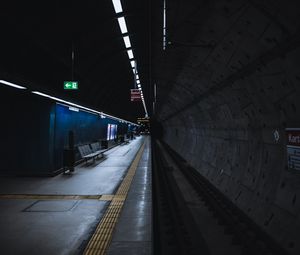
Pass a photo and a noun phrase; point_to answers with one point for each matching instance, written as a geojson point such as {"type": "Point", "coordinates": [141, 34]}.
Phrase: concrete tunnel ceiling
{"type": "Point", "coordinates": [36, 49]}
{"type": "Point", "coordinates": [228, 90]}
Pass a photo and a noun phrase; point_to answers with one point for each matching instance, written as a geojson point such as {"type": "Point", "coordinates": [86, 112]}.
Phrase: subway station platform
{"type": "Point", "coordinates": [102, 208]}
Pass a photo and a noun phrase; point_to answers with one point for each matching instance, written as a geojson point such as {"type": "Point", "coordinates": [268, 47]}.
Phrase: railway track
{"type": "Point", "coordinates": [192, 217]}
{"type": "Point", "coordinates": [174, 229]}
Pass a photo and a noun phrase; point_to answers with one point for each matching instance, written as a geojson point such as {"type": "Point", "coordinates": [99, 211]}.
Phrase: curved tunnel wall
{"type": "Point", "coordinates": [230, 105]}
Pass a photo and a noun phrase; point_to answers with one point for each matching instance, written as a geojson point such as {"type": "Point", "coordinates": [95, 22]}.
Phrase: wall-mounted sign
{"type": "Point", "coordinates": [293, 148]}
{"type": "Point", "coordinates": [135, 95]}
{"type": "Point", "coordinates": [145, 120]}
{"type": "Point", "coordinates": [71, 85]}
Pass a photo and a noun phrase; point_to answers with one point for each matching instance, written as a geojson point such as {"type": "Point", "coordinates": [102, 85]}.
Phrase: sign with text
{"type": "Point", "coordinates": [141, 120]}
{"type": "Point", "coordinates": [71, 85]}
{"type": "Point", "coordinates": [135, 95]}
{"type": "Point", "coordinates": [293, 148]}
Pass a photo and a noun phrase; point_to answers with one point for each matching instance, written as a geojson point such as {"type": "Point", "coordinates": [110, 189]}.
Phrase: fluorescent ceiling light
{"type": "Point", "coordinates": [79, 106]}
{"type": "Point", "coordinates": [138, 82]}
{"type": "Point", "coordinates": [12, 84]}
{"type": "Point", "coordinates": [137, 77]}
{"type": "Point", "coordinates": [127, 41]}
{"type": "Point", "coordinates": [139, 85]}
{"type": "Point", "coordinates": [122, 25]}
{"type": "Point", "coordinates": [117, 6]}
{"type": "Point", "coordinates": [130, 54]}
{"type": "Point", "coordinates": [132, 63]}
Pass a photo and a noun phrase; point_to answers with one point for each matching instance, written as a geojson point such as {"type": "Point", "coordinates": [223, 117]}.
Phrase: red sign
{"type": "Point", "coordinates": [293, 148]}
{"type": "Point", "coordinates": [293, 136]}
{"type": "Point", "coordinates": [135, 95]}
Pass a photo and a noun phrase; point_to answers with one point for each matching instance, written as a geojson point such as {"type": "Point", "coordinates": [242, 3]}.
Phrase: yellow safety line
{"type": "Point", "coordinates": [56, 197]}
{"type": "Point", "coordinates": [101, 238]}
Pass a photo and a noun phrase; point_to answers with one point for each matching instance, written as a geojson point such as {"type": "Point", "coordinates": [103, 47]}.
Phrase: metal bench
{"type": "Point", "coordinates": [96, 148]}
{"type": "Point", "coordinates": [87, 152]}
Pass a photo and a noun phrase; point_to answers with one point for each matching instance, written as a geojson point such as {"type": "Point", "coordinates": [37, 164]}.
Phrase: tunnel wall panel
{"type": "Point", "coordinates": [87, 128]}
{"type": "Point", "coordinates": [25, 128]}
{"type": "Point", "coordinates": [228, 106]}
{"type": "Point", "coordinates": [35, 132]}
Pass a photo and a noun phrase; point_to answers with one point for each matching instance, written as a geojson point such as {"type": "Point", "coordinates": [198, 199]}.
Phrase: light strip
{"type": "Point", "coordinates": [122, 25]}
{"type": "Point", "coordinates": [132, 63]}
{"type": "Point", "coordinates": [164, 26]}
{"type": "Point", "coordinates": [130, 54]}
{"type": "Point", "coordinates": [127, 41]}
{"type": "Point", "coordinates": [79, 106]}
{"type": "Point", "coordinates": [117, 6]}
{"type": "Point", "coordinates": [12, 84]}
{"type": "Point", "coordinates": [146, 113]}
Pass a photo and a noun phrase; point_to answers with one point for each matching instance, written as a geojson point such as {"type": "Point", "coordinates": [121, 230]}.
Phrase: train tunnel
{"type": "Point", "coordinates": [220, 86]}
{"type": "Point", "coordinates": [228, 102]}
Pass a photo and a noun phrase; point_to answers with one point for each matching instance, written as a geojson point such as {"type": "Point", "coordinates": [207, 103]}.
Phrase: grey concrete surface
{"type": "Point", "coordinates": [30, 226]}
{"type": "Point", "coordinates": [221, 103]}
{"type": "Point", "coordinates": [99, 178]}
{"type": "Point", "coordinates": [133, 232]}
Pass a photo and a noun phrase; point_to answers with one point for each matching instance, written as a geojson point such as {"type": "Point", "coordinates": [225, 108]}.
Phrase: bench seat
{"type": "Point", "coordinates": [90, 151]}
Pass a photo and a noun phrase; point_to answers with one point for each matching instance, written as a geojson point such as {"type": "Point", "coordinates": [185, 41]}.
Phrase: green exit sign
{"type": "Point", "coordinates": [71, 85]}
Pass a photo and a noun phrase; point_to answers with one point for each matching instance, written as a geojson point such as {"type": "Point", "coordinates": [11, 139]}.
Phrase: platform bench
{"type": "Point", "coordinates": [90, 152]}
{"type": "Point", "coordinates": [96, 148]}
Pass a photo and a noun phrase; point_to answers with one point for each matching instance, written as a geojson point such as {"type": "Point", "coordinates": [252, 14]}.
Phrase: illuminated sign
{"type": "Point", "coordinates": [135, 95]}
{"type": "Point", "coordinates": [69, 85]}
{"type": "Point", "coordinates": [145, 120]}
{"type": "Point", "coordinates": [112, 131]}
{"type": "Point", "coordinates": [293, 148]}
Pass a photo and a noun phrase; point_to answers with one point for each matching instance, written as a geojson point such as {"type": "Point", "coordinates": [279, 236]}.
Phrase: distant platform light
{"type": "Point", "coordinates": [12, 84]}
{"type": "Point", "coordinates": [130, 54]}
{"type": "Point", "coordinates": [137, 77]}
{"type": "Point", "coordinates": [127, 41]}
{"type": "Point", "coordinates": [122, 24]}
{"type": "Point", "coordinates": [117, 6]}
